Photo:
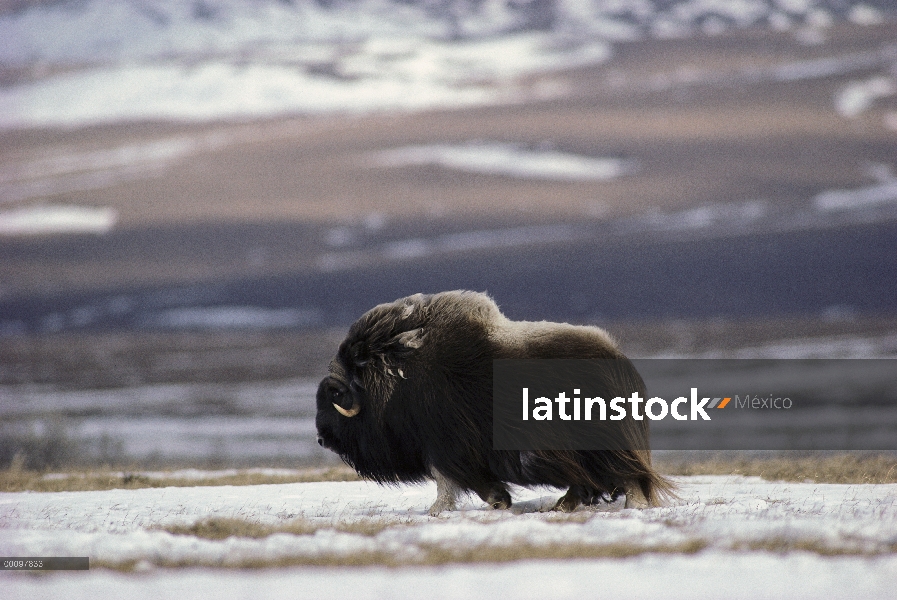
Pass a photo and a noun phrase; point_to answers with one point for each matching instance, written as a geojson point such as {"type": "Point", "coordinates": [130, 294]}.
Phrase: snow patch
{"type": "Point", "coordinates": [828, 66]}
{"type": "Point", "coordinates": [726, 215]}
{"type": "Point", "coordinates": [45, 219]}
{"type": "Point", "coordinates": [857, 97]}
{"type": "Point", "coordinates": [873, 195]}
{"type": "Point", "coordinates": [487, 239]}
{"type": "Point", "coordinates": [826, 347]}
{"type": "Point", "coordinates": [508, 160]}
{"type": "Point", "coordinates": [863, 14]}
{"type": "Point", "coordinates": [233, 317]}
{"type": "Point", "coordinates": [212, 91]}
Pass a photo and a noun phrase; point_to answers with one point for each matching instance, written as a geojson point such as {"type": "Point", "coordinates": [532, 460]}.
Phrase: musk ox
{"type": "Point", "coordinates": [409, 397]}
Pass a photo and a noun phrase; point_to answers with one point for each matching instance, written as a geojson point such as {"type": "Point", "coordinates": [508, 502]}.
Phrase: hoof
{"type": "Point", "coordinates": [500, 501]}
{"type": "Point", "coordinates": [441, 505]}
{"type": "Point", "coordinates": [566, 504]}
{"type": "Point", "coordinates": [572, 499]}
{"type": "Point", "coordinates": [635, 498]}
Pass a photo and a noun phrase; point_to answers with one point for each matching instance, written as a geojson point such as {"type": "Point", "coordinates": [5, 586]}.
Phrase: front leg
{"type": "Point", "coordinates": [447, 492]}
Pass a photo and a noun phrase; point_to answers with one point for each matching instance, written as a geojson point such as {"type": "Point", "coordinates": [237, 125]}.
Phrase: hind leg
{"type": "Point", "coordinates": [495, 495]}
{"type": "Point", "coordinates": [581, 494]}
{"type": "Point", "coordinates": [635, 498]}
{"type": "Point", "coordinates": [576, 495]}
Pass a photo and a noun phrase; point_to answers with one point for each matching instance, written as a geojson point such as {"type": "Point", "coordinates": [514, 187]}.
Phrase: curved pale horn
{"type": "Point", "coordinates": [347, 413]}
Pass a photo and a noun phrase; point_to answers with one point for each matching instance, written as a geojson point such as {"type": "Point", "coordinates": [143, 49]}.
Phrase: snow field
{"type": "Point", "coordinates": [728, 537]}
{"type": "Point", "coordinates": [363, 523]}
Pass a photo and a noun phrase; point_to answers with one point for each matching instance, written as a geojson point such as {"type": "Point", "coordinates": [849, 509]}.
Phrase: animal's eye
{"type": "Point", "coordinates": [337, 394]}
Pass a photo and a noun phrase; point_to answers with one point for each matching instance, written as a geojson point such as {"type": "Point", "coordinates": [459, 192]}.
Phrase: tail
{"type": "Point", "coordinates": [658, 490]}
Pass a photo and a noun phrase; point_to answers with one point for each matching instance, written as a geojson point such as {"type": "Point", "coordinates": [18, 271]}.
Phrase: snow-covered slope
{"type": "Point", "coordinates": [76, 62]}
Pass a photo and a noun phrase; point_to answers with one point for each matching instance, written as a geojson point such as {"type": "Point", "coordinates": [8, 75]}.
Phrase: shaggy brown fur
{"type": "Point", "coordinates": [409, 396]}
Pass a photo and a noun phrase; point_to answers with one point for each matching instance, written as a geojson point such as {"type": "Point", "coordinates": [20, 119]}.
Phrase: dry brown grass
{"type": "Point", "coordinates": [440, 555]}
{"type": "Point", "coordinates": [785, 545]}
{"type": "Point", "coordinates": [223, 528]}
{"type": "Point", "coordinates": [840, 468]}
{"type": "Point", "coordinates": [357, 559]}
{"type": "Point", "coordinates": [19, 480]}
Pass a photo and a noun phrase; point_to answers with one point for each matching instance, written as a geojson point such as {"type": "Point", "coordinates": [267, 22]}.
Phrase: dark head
{"type": "Point", "coordinates": [336, 402]}
{"type": "Point", "coordinates": [360, 404]}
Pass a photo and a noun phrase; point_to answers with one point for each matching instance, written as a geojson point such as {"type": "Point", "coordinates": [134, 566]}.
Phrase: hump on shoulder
{"type": "Point", "coordinates": [547, 339]}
